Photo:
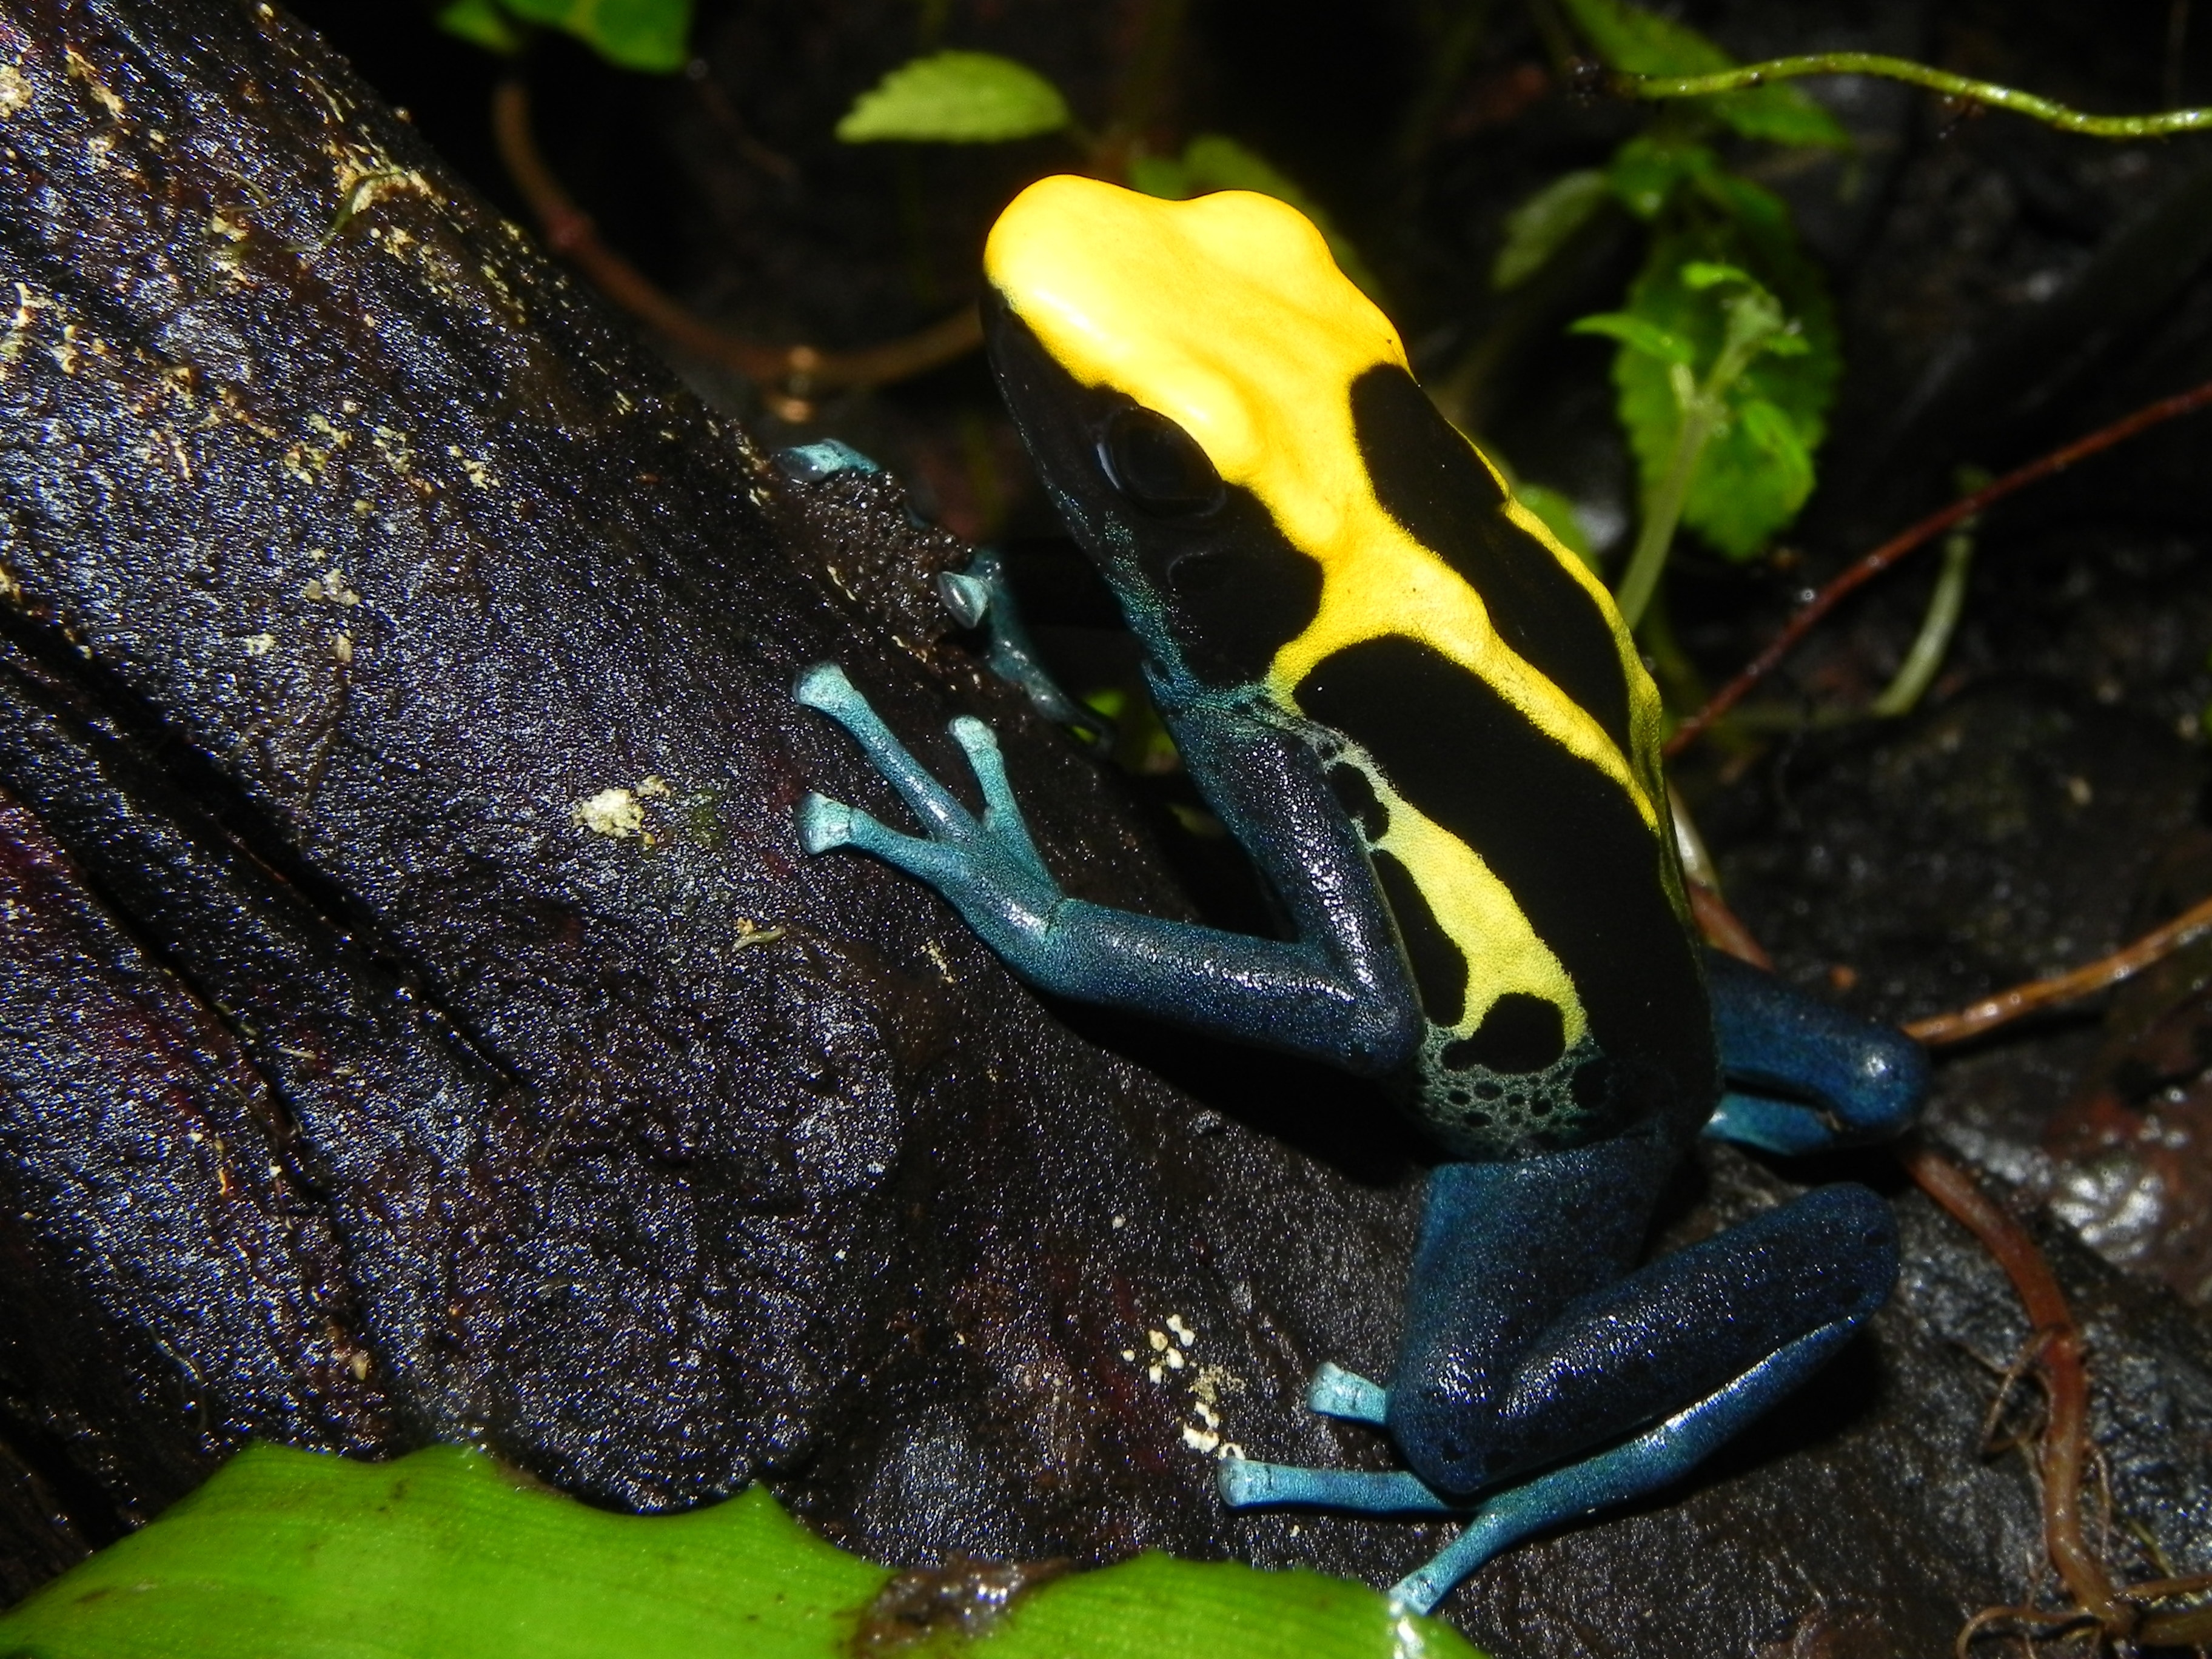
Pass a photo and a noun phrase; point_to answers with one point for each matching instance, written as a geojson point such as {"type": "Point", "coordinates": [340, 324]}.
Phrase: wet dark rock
{"type": "Point", "coordinates": [418, 1020]}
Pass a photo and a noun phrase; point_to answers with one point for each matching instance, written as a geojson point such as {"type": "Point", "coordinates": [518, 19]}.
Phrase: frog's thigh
{"type": "Point", "coordinates": [1842, 1077]}
{"type": "Point", "coordinates": [1663, 1338]}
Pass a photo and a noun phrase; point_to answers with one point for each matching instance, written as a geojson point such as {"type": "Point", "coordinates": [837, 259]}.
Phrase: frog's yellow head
{"type": "Point", "coordinates": [1224, 314]}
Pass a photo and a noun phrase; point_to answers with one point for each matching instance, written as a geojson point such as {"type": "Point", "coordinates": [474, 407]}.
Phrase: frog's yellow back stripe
{"type": "Point", "coordinates": [1227, 314]}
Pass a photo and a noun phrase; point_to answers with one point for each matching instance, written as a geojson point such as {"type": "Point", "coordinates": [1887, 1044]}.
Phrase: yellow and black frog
{"type": "Point", "coordinates": [1424, 720]}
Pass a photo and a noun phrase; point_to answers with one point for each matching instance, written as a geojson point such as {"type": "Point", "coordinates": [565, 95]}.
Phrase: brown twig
{"type": "Point", "coordinates": [2058, 1362]}
{"type": "Point", "coordinates": [793, 372]}
{"type": "Point", "coordinates": [1722, 928]}
{"type": "Point", "coordinates": [2007, 1005]}
{"type": "Point", "coordinates": [1857, 576]}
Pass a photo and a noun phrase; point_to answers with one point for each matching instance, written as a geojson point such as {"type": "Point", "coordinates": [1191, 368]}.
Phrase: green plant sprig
{"type": "Point", "coordinates": [2164, 125]}
{"type": "Point", "coordinates": [1755, 324]}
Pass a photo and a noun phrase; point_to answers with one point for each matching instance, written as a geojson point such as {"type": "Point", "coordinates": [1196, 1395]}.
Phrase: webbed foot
{"type": "Point", "coordinates": [988, 868]}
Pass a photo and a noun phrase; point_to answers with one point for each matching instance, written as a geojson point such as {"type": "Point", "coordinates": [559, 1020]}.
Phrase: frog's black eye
{"type": "Point", "coordinates": [1157, 464]}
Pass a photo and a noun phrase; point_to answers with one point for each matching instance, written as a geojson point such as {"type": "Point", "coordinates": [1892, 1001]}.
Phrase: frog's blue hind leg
{"type": "Point", "coordinates": [1533, 1346]}
{"type": "Point", "coordinates": [1649, 1462]}
{"type": "Point", "coordinates": [979, 596]}
{"type": "Point", "coordinates": [1803, 1074]}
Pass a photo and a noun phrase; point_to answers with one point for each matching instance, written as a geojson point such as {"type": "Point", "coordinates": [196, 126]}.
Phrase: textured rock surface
{"type": "Point", "coordinates": [357, 1088]}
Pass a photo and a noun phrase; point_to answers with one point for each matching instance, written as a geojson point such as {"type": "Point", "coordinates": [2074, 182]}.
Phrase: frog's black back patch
{"type": "Point", "coordinates": [1565, 839]}
{"type": "Point", "coordinates": [1439, 966]}
{"type": "Point", "coordinates": [1429, 480]}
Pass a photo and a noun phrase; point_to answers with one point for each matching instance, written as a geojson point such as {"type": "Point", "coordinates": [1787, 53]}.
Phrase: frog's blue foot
{"type": "Point", "coordinates": [1816, 1075]}
{"type": "Point", "coordinates": [1246, 1483]}
{"type": "Point", "coordinates": [985, 866]}
{"type": "Point", "coordinates": [1651, 1460]}
{"type": "Point", "coordinates": [979, 596]}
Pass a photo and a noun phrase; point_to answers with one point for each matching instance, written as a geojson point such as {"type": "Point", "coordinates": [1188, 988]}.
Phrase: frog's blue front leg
{"type": "Point", "coordinates": [1338, 991]}
{"type": "Point", "coordinates": [979, 596]}
{"type": "Point", "coordinates": [1804, 1075]}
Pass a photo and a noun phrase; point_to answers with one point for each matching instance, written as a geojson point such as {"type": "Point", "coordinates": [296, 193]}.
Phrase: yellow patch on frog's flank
{"type": "Point", "coordinates": [614, 813]}
{"type": "Point", "coordinates": [14, 90]}
{"type": "Point", "coordinates": [1478, 913]}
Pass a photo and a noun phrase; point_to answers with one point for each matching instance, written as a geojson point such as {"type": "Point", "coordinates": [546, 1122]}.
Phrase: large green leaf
{"type": "Point", "coordinates": [439, 1555]}
{"type": "Point", "coordinates": [955, 98]}
{"type": "Point", "coordinates": [638, 34]}
{"type": "Point", "coordinates": [1642, 42]}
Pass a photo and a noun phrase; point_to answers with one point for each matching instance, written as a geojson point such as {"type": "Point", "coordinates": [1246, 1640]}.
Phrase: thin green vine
{"type": "Point", "coordinates": [2163, 124]}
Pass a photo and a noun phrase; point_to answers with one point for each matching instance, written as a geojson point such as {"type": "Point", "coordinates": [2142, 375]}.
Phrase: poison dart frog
{"type": "Point", "coordinates": [1424, 721]}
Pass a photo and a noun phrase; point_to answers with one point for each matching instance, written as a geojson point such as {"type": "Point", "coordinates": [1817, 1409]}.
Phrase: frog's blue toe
{"type": "Point", "coordinates": [825, 687]}
{"type": "Point", "coordinates": [1335, 1392]}
{"type": "Point", "coordinates": [966, 597]}
{"type": "Point", "coordinates": [811, 463]}
{"type": "Point", "coordinates": [823, 823]}
{"type": "Point", "coordinates": [1245, 1483]}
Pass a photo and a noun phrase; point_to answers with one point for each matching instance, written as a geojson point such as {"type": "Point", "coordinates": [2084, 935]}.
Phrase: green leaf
{"type": "Point", "coordinates": [956, 97]}
{"type": "Point", "coordinates": [439, 1555]}
{"type": "Point", "coordinates": [1711, 273]}
{"type": "Point", "coordinates": [1629, 37]}
{"type": "Point", "coordinates": [1163, 176]}
{"type": "Point", "coordinates": [1638, 334]}
{"type": "Point", "coordinates": [481, 23]}
{"type": "Point", "coordinates": [635, 34]}
{"type": "Point", "coordinates": [1757, 469]}
{"type": "Point", "coordinates": [1537, 230]}
{"type": "Point", "coordinates": [1212, 160]}
{"type": "Point", "coordinates": [1753, 477]}
{"type": "Point", "coordinates": [1645, 172]}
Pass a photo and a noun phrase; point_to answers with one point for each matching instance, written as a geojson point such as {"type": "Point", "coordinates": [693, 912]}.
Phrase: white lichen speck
{"type": "Point", "coordinates": [614, 813]}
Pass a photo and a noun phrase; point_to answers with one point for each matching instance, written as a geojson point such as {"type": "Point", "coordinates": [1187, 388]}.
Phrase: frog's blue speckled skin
{"type": "Point", "coordinates": [1547, 1370]}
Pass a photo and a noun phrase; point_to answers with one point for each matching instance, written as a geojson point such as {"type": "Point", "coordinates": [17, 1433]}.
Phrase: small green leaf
{"type": "Point", "coordinates": [481, 23]}
{"type": "Point", "coordinates": [1711, 273]}
{"type": "Point", "coordinates": [1557, 511]}
{"type": "Point", "coordinates": [1645, 172]}
{"type": "Point", "coordinates": [635, 34]}
{"type": "Point", "coordinates": [1638, 334]}
{"type": "Point", "coordinates": [439, 1555]}
{"type": "Point", "coordinates": [1629, 37]}
{"type": "Point", "coordinates": [1537, 230]}
{"type": "Point", "coordinates": [1163, 176]}
{"type": "Point", "coordinates": [1214, 161]}
{"type": "Point", "coordinates": [956, 97]}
